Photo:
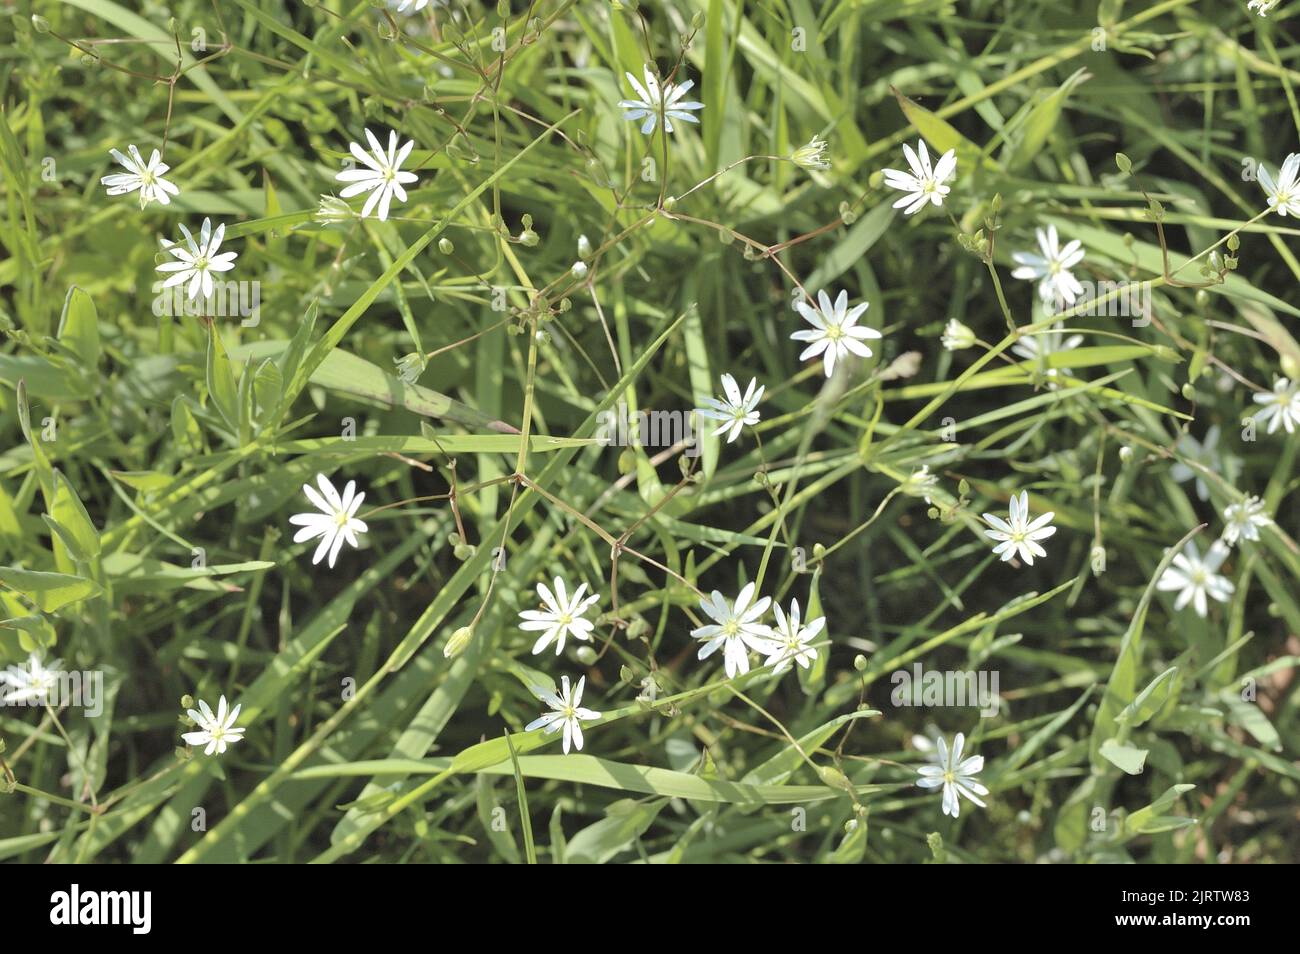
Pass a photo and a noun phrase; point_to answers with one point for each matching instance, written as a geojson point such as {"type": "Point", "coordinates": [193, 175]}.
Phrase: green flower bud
{"type": "Point", "coordinates": [458, 641]}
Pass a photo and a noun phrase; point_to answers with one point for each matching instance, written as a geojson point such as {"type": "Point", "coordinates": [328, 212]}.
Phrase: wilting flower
{"type": "Point", "coordinates": [1281, 406]}
{"type": "Point", "coordinates": [333, 211]}
{"type": "Point", "coordinates": [792, 640]}
{"type": "Point", "coordinates": [955, 775]}
{"type": "Point", "coordinates": [1243, 520]}
{"type": "Point", "coordinates": [735, 629]}
{"type": "Point", "coordinates": [32, 684]}
{"type": "Point", "coordinates": [1283, 194]}
{"type": "Point", "coordinates": [1197, 578]}
{"type": "Point", "coordinates": [561, 617]}
{"type": "Point", "coordinates": [215, 731]}
{"type": "Point", "coordinates": [956, 336]}
{"type": "Point", "coordinates": [924, 184]}
{"type": "Point", "coordinates": [737, 410]}
{"type": "Point", "coordinates": [145, 176]}
{"type": "Point", "coordinates": [381, 176]}
{"type": "Point", "coordinates": [1020, 536]}
{"type": "Point", "coordinates": [196, 261]}
{"type": "Point", "coordinates": [335, 523]}
{"type": "Point", "coordinates": [921, 483]}
{"type": "Point", "coordinates": [835, 331]}
{"type": "Point", "coordinates": [651, 99]}
{"type": "Point", "coordinates": [812, 155]}
{"type": "Point", "coordinates": [1051, 269]}
{"type": "Point", "coordinates": [566, 714]}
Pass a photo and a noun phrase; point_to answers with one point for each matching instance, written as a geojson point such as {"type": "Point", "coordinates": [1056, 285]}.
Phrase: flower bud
{"type": "Point", "coordinates": [459, 640]}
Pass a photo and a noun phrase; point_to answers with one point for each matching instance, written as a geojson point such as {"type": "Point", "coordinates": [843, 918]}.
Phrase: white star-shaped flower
{"type": "Point", "coordinates": [566, 714]}
{"type": "Point", "coordinates": [1242, 521]}
{"type": "Point", "coordinates": [835, 331]}
{"type": "Point", "coordinates": [1262, 6]}
{"type": "Point", "coordinates": [145, 176]}
{"type": "Point", "coordinates": [32, 684]}
{"type": "Point", "coordinates": [791, 640]}
{"type": "Point", "coordinates": [412, 6]}
{"type": "Point", "coordinates": [924, 183]}
{"type": "Point", "coordinates": [196, 261]}
{"type": "Point", "coordinates": [1196, 577]}
{"type": "Point", "coordinates": [562, 616]}
{"type": "Point", "coordinates": [335, 523]}
{"type": "Point", "coordinates": [955, 775]}
{"type": "Point", "coordinates": [651, 100]}
{"type": "Point", "coordinates": [380, 173]}
{"type": "Point", "coordinates": [1207, 455]}
{"type": "Point", "coordinates": [1051, 269]}
{"type": "Point", "coordinates": [1281, 406]}
{"type": "Point", "coordinates": [737, 410]}
{"type": "Point", "coordinates": [1037, 347]}
{"type": "Point", "coordinates": [1284, 193]}
{"type": "Point", "coordinates": [735, 629]}
{"type": "Point", "coordinates": [215, 731]}
{"type": "Point", "coordinates": [1020, 536]}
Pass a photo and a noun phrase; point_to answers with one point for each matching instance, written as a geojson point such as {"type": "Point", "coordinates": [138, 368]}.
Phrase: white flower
{"type": "Point", "coordinates": [956, 336]}
{"type": "Point", "coordinates": [1281, 406]}
{"type": "Point", "coordinates": [380, 174]}
{"type": "Point", "coordinates": [567, 714]}
{"type": "Point", "coordinates": [1051, 269]}
{"type": "Point", "coordinates": [1243, 520]}
{"type": "Point", "coordinates": [196, 261]}
{"type": "Point", "coordinates": [336, 522]}
{"type": "Point", "coordinates": [736, 628]}
{"type": "Point", "coordinates": [792, 640]}
{"type": "Point", "coordinates": [1283, 195]}
{"type": "Point", "coordinates": [955, 775]}
{"type": "Point", "coordinates": [1197, 577]}
{"type": "Point", "coordinates": [32, 684]}
{"type": "Point", "coordinates": [737, 410]}
{"type": "Point", "coordinates": [145, 176]}
{"type": "Point", "coordinates": [1020, 536]}
{"type": "Point", "coordinates": [924, 184]}
{"type": "Point", "coordinates": [1206, 455]}
{"type": "Point", "coordinates": [1262, 6]}
{"type": "Point", "coordinates": [561, 617]}
{"type": "Point", "coordinates": [414, 6]}
{"type": "Point", "coordinates": [812, 156]}
{"type": "Point", "coordinates": [1037, 347]}
{"type": "Point", "coordinates": [215, 731]}
{"type": "Point", "coordinates": [651, 100]}
{"type": "Point", "coordinates": [835, 332]}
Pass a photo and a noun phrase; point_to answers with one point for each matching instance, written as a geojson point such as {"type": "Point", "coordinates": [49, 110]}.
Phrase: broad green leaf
{"type": "Point", "coordinates": [49, 591]}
